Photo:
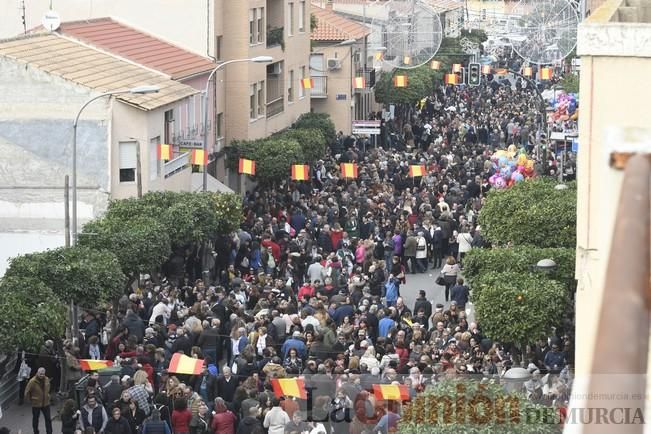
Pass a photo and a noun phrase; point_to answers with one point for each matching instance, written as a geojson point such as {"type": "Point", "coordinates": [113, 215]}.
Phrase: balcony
{"type": "Point", "coordinates": [369, 78]}
{"type": "Point", "coordinates": [176, 165]}
{"type": "Point", "coordinates": [276, 37]}
{"type": "Point", "coordinates": [275, 107]}
{"type": "Point", "coordinates": [320, 89]}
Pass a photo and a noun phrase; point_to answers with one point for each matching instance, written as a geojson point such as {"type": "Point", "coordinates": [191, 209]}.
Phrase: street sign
{"type": "Point", "coordinates": [193, 144]}
{"type": "Point", "coordinates": [366, 127]}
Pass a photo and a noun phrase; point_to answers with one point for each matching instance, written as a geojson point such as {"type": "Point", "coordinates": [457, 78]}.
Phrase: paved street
{"type": "Point", "coordinates": [19, 418]}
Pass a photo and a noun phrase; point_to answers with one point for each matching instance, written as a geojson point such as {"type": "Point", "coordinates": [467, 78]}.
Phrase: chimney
{"type": "Point", "coordinates": [328, 5]}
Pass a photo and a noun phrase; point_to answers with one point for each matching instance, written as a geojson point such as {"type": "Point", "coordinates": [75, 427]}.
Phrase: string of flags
{"type": "Point", "coordinates": [247, 167]}
{"type": "Point", "coordinates": [301, 172]}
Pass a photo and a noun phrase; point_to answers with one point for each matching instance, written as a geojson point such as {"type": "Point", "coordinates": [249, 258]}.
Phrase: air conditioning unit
{"type": "Point", "coordinates": [334, 64]}
{"type": "Point", "coordinates": [275, 69]}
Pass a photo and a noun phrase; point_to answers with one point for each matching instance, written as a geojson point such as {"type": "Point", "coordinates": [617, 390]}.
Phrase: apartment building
{"type": "Point", "coordinates": [339, 55]}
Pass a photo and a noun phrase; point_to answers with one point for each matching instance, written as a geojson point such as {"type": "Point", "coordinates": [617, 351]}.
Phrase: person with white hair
{"type": "Point", "coordinates": [369, 358]}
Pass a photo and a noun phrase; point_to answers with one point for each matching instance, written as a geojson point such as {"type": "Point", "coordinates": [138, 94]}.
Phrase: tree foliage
{"type": "Point", "coordinates": [420, 83]}
{"type": "Point", "coordinates": [317, 121]}
{"type": "Point", "coordinates": [30, 313]}
{"type": "Point", "coordinates": [78, 274]}
{"type": "Point", "coordinates": [474, 408]}
{"type": "Point", "coordinates": [531, 212]}
{"type": "Point", "coordinates": [570, 83]}
{"type": "Point", "coordinates": [313, 143]}
{"type": "Point", "coordinates": [478, 262]}
{"type": "Point", "coordinates": [519, 308]}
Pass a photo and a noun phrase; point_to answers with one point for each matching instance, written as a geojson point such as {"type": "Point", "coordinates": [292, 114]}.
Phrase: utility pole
{"type": "Point", "coordinates": [66, 210]}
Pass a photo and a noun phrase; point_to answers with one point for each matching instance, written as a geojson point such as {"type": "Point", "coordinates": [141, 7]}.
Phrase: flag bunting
{"type": "Point", "coordinates": [94, 365]}
{"type": "Point", "coordinates": [164, 152]}
{"type": "Point", "coordinates": [307, 83]}
{"type": "Point", "coordinates": [451, 79]}
{"type": "Point", "coordinates": [416, 171]}
{"type": "Point", "coordinates": [391, 392]}
{"type": "Point", "coordinates": [546, 73]}
{"type": "Point", "coordinates": [300, 172]}
{"type": "Point", "coordinates": [456, 67]}
{"type": "Point", "coordinates": [501, 71]}
{"type": "Point", "coordinates": [182, 364]}
{"type": "Point", "coordinates": [435, 64]}
{"type": "Point", "coordinates": [486, 69]}
{"type": "Point", "coordinates": [379, 55]}
{"type": "Point", "coordinates": [359, 83]}
{"type": "Point", "coordinates": [528, 71]}
{"type": "Point", "coordinates": [199, 157]}
{"type": "Point", "coordinates": [293, 387]}
{"type": "Point", "coordinates": [400, 81]}
{"type": "Point", "coordinates": [247, 167]}
{"type": "Point", "coordinates": [349, 170]}
{"type": "Point", "coordinates": [407, 60]}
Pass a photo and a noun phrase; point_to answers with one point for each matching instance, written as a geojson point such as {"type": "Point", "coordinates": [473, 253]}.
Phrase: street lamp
{"type": "Point", "coordinates": [546, 265]}
{"type": "Point", "coordinates": [258, 59]}
{"type": "Point", "coordinates": [139, 90]}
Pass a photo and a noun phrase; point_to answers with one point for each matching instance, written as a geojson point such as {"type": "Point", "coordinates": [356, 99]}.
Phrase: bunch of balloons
{"type": "Point", "coordinates": [510, 166]}
{"type": "Point", "coordinates": [565, 107]}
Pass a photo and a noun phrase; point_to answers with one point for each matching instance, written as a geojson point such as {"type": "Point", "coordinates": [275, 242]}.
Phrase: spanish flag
{"type": "Point", "coordinates": [416, 171]}
{"type": "Point", "coordinates": [379, 55]}
{"type": "Point", "coordinates": [349, 170]}
{"type": "Point", "coordinates": [501, 71]}
{"type": "Point", "coordinates": [456, 67]}
{"type": "Point", "coordinates": [407, 60]}
{"type": "Point", "coordinates": [294, 387]}
{"type": "Point", "coordinates": [94, 365]}
{"type": "Point", "coordinates": [451, 79]}
{"type": "Point", "coordinates": [307, 83]}
{"type": "Point", "coordinates": [546, 74]}
{"type": "Point", "coordinates": [164, 152]}
{"type": "Point", "coordinates": [528, 71]}
{"type": "Point", "coordinates": [400, 81]}
{"type": "Point", "coordinates": [247, 166]}
{"type": "Point", "coordinates": [182, 364]}
{"type": "Point", "coordinates": [391, 392]}
{"type": "Point", "coordinates": [435, 64]}
{"type": "Point", "coordinates": [359, 83]}
{"type": "Point", "coordinates": [300, 172]}
{"type": "Point", "coordinates": [486, 69]}
{"type": "Point", "coordinates": [199, 157]}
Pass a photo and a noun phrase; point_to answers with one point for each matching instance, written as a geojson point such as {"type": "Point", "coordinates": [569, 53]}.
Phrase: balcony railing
{"type": "Point", "coordinates": [275, 107]}
{"type": "Point", "coordinates": [275, 37]}
{"type": "Point", "coordinates": [369, 77]}
{"type": "Point", "coordinates": [320, 89]}
{"type": "Point", "coordinates": [176, 165]}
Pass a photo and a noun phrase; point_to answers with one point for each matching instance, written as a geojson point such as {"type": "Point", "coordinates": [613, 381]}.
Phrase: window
{"type": "Point", "coordinates": [252, 38]}
{"type": "Point", "coordinates": [290, 86]}
{"type": "Point", "coordinates": [290, 26]}
{"type": "Point", "coordinates": [218, 47]}
{"type": "Point", "coordinates": [128, 160]}
{"type": "Point", "coordinates": [261, 101]}
{"type": "Point", "coordinates": [261, 30]}
{"type": "Point", "coordinates": [154, 163]}
{"type": "Point", "coordinates": [301, 91]}
{"type": "Point", "coordinates": [301, 16]}
{"type": "Point", "coordinates": [253, 110]}
{"type": "Point", "coordinates": [171, 128]}
{"type": "Point", "coordinates": [220, 127]}
{"type": "Point", "coordinates": [191, 119]}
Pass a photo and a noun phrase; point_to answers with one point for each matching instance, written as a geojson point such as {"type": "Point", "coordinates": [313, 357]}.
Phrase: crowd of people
{"type": "Point", "coordinates": [311, 286]}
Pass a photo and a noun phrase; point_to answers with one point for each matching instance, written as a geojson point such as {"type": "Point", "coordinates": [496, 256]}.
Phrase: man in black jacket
{"type": "Point", "coordinates": [250, 424]}
{"type": "Point", "coordinates": [226, 384]}
{"type": "Point", "coordinates": [210, 341]}
{"type": "Point", "coordinates": [423, 303]}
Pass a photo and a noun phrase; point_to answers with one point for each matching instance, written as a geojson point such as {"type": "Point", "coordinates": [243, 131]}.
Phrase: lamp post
{"type": "Point", "coordinates": [140, 90]}
{"type": "Point", "coordinates": [258, 59]}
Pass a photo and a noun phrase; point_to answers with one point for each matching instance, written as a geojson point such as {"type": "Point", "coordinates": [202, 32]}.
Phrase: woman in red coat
{"type": "Point", "coordinates": [223, 420]}
{"type": "Point", "coordinates": [181, 417]}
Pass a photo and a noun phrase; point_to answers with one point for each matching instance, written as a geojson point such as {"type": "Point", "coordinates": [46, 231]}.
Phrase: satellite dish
{"type": "Point", "coordinates": [410, 30]}
{"type": "Point", "coordinates": [51, 21]}
{"type": "Point", "coordinates": [543, 31]}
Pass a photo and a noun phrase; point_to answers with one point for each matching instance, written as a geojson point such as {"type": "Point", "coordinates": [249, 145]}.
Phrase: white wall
{"type": "Point", "coordinates": [20, 243]}
{"type": "Point", "coordinates": [181, 21]}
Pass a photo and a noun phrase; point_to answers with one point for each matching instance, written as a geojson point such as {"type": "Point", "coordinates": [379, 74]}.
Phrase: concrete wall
{"type": "Point", "coordinates": [36, 116]}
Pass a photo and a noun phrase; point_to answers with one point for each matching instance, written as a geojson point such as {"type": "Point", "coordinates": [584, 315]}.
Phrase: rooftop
{"type": "Point", "coordinates": [138, 46]}
{"type": "Point", "coordinates": [90, 67]}
{"type": "Point", "coordinates": [333, 27]}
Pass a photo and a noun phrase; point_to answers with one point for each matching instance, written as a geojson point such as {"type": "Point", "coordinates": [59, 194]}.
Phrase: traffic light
{"type": "Point", "coordinates": [474, 74]}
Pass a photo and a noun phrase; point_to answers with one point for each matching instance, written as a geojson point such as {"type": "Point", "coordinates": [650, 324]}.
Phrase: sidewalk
{"type": "Point", "coordinates": [19, 418]}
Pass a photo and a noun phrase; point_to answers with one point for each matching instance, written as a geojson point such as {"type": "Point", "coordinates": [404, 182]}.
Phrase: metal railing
{"type": "Point", "coordinates": [320, 89]}
{"type": "Point", "coordinates": [275, 107]}
{"type": "Point", "coordinates": [369, 77]}
{"type": "Point", "coordinates": [176, 165]}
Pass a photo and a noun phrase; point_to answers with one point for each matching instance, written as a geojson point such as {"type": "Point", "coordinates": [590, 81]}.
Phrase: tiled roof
{"type": "Point", "coordinates": [442, 6]}
{"type": "Point", "coordinates": [140, 47]}
{"type": "Point", "coordinates": [333, 27]}
{"type": "Point", "coordinates": [90, 67]}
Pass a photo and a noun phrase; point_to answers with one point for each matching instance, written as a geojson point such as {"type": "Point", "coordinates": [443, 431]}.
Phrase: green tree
{"type": "Point", "coordinates": [78, 274]}
{"type": "Point", "coordinates": [420, 83]}
{"type": "Point", "coordinates": [312, 140]}
{"type": "Point", "coordinates": [318, 121]}
{"type": "Point", "coordinates": [480, 262]}
{"type": "Point", "coordinates": [519, 308]}
{"type": "Point", "coordinates": [141, 244]}
{"type": "Point", "coordinates": [533, 212]}
{"type": "Point", "coordinates": [570, 83]}
{"type": "Point", "coordinates": [465, 406]}
{"type": "Point", "coordinates": [30, 313]}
